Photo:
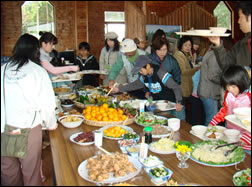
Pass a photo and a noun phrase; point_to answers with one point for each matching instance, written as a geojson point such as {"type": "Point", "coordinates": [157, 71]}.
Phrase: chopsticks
{"type": "Point", "coordinates": [171, 135]}
{"type": "Point", "coordinates": [105, 151]}
{"type": "Point", "coordinates": [111, 89]}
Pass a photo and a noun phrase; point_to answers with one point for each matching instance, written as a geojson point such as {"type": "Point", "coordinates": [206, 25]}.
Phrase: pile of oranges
{"type": "Point", "coordinates": [103, 113]}
{"type": "Point", "coordinates": [115, 131]}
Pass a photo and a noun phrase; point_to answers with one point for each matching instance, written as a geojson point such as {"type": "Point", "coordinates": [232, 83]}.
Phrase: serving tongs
{"type": "Point", "coordinates": [223, 145]}
{"type": "Point", "coordinates": [230, 151]}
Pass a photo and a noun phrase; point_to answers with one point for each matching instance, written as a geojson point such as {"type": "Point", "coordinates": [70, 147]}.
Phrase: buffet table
{"type": "Point", "coordinates": [67, 156]}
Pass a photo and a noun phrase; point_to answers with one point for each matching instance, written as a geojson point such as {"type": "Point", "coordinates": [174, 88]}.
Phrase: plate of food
{"type": "Point", "coordinates": [82, 138]}
{"type": "Point", "coordinates": [204, 153]}
{"type": "Point", "coordinates": [150, 120]}
{"type": "Point", "coordinates": [242, 178]}
{"type": "Point", "coordinates": [163, 146]}
{"type": "Point", "coordinates": [98, 168]}
{"type": "Point", "coordinates": [160, 131]}
{"type": "Point", "coordinates": [115, 132]}
{"type": "Point", "coordinates": [151, 161]}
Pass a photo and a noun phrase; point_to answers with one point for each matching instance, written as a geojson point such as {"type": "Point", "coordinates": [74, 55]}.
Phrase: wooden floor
{"type": "Point", "coordinates": [47, 164]}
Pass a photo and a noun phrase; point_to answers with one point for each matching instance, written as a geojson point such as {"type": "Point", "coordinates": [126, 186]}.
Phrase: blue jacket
{"type": "Point", "coordinates": [169, 64]}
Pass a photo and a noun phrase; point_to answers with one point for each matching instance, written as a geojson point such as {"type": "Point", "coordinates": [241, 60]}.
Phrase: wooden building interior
{"type": "Point", "coordinates": [78, 21]}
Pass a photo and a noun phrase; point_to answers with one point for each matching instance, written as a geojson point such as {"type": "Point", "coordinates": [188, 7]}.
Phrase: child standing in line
{"type": "Point", "coordinates": [235, 80]}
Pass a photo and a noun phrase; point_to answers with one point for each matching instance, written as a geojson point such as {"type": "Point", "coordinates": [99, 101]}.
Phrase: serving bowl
{"type": "Point", "coordinates": [68, 121]}
{"type": "Point", "coordinates": [218, 30]}
{"type": "Point", "coordinates": [242, 112]}
{"type": "Point", "coordinates": [199, 130]}
{"type": "Point", "coordinates": [232, 134]}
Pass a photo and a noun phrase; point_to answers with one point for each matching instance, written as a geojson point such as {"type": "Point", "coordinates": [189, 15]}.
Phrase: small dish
{"type": "Point", "coordinates": [199, 130]}
{"type": "Point", "coordinates": [133, 150]}
{"type": "Point", "coordinates": [151, 161]}
{"type": "Point", "coordinates": [162, 169]}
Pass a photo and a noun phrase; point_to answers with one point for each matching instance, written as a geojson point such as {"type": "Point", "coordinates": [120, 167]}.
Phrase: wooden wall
{"type": "Point", "coordinates": [78, 21]}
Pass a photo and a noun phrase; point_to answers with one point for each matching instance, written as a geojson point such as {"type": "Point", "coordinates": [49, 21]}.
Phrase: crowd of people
{"type": "Point", "coordinates": [144, 71]}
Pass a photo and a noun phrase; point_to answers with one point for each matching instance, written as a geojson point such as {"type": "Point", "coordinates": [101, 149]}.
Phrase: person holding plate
{"type": "Point", "coordinates": [241, 51]}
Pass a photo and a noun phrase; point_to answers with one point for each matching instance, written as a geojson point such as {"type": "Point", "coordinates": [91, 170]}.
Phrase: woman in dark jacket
{"type": "Point", "coordinates": [87, 61]}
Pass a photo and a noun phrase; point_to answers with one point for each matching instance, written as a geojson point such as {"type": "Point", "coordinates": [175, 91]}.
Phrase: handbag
{"type": "Point", "coordinates": [14, 141]}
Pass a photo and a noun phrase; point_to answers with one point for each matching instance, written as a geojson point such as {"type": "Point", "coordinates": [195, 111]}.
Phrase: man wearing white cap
{"type": "Point", "coordinates": [127, 60]}
{"type": "Point", "coordinates": [109, 54]}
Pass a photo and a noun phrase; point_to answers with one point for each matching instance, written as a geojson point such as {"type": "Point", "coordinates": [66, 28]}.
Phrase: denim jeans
{"type": "Point", "coordinates": [210, 107]}
{"type": "Point", "coordinates": [180, 114]}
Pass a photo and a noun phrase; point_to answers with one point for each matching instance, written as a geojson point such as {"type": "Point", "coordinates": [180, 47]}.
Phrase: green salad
{"type": "Point", "coordinates": [243, 178]}
{"type": "Point", "coordinates": [150, 120]}
{"type": "Point", "coordinates": [203, 149]}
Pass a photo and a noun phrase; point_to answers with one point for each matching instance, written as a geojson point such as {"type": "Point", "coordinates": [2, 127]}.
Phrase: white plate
{"type": "Point", "coordinates": [70, 105]}
{"type": "Point", "coordinates": [222, 138]}
{"type": "Point", "coordinates": [134, 103]}
{"type": "Point", "coordinates": [122, 126]}
{"type": "Point", "coordinates": [170, 105]}
{"type": "Point", "coordinates": [66, 80]}
{"type": "Point", "coordinates": [94, 72]}
{"type": "Point", "coordinates": [83, 172]}
{"type": "Point", "coordinates": [75, 135]}
{"type": "Point", "coordinates": [162, 135]}
{"type": "Point", "coordinates": [161, 152]}
{"type": "Point", "coordinates": [232, 118]}
{"type": "Point", "coordinates": [201, 34]}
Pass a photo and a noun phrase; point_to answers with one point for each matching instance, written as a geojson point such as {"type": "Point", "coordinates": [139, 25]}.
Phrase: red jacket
{"type": "Point", "coordinates": [220, 117]}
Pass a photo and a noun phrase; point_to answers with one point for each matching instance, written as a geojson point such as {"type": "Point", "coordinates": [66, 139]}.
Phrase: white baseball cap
{"type": "Point", "coordinates": [128, 45]}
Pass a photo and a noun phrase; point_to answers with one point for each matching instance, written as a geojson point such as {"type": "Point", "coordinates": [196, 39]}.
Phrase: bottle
{"type": "Point", "coordinates": [62, 61]}
{"type": "Point", "coordinates": [141, 107]}
{"type": "Point", "coordinates": [148, 134]}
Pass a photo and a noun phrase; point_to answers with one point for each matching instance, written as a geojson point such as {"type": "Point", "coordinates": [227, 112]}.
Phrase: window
{"type": "Point", "coordinates": [223, 14]}
{"type": "Point", "coordinates": [114, 22]}
{"type": "Point", "coordinates": [37, 16]}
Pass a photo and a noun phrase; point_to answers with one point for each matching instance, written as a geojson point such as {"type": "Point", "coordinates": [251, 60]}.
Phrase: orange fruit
{"type": "Point", "coordinates": [99, 117]}
{"type": "Point", "coordinates": [104, 114]}
{"type": "Point", "coordinates": [124, 117]}
{"type": "Point", "coordinates": [102, 111]}
{"type": "Point", "coordinates": [87, 116]}
{"type": "Point", "coordinates": [105, 105]}
{"type": "Point", "coordinates": [105, 118]}
{"type": "Point", "coordinates": [120, 111]}
{"type": "Point", "coordinates": [93, 114]}
{"type": "Point", "coordinates": [111, 109]}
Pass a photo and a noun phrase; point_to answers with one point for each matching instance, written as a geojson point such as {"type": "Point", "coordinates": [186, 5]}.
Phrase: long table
{"type": "Point", "coordinates": [67, 156]}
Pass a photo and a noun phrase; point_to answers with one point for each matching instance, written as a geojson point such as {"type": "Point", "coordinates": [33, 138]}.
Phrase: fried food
{"type": "Point", "coordinates": [100, 167]}
{"type": "Point", "coordinates": [212, 136]}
